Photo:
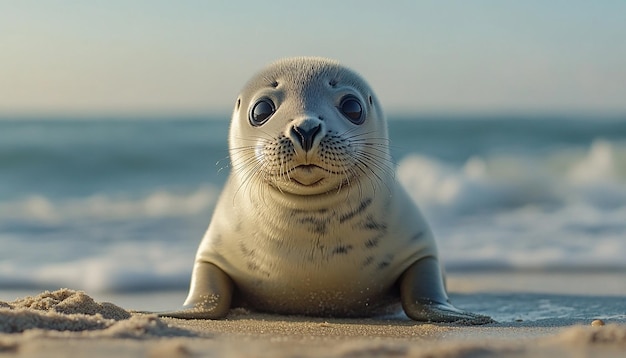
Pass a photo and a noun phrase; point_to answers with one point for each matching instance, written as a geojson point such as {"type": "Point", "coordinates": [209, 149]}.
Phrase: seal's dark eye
{"type": "Point", "coordinates": [351, 108]}
{"type": "Point", "coordinates": [261, 112]}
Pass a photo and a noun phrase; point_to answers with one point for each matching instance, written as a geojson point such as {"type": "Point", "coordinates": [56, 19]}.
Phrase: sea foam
{"type": "Point", "coordinates": [492, 211]}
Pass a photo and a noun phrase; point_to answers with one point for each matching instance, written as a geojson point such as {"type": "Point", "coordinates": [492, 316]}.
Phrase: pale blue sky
{"type": "Point", "coordinates": [192, 57]}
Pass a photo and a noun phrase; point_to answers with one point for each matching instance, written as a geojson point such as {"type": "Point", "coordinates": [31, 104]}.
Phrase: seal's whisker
{"type": "Point", "coordinates": [385, 167]}
{"type": "Point", "coordinates": [344, 171]}
{"type": "Point", "coordinates": [251, 168]}
{"type": "Point", "coordinates": [243, 163]}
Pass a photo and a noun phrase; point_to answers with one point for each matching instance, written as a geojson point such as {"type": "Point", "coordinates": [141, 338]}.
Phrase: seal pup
{"type": "Point", "coordinates": [311, 220]}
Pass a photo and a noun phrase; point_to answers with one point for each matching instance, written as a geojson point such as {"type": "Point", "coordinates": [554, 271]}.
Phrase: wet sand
{"type": "Point", "coordinates": [551, 317]}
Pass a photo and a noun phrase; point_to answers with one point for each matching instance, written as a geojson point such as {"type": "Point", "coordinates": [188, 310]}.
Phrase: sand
{"type": "Point", "coordinates": [66, 323]}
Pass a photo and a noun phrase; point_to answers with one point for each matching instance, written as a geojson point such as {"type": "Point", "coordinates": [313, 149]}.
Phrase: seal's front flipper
{"type": "Point", "coordinates": [424, 297]}
{"type": "Point", "coordinates": [210, 294]}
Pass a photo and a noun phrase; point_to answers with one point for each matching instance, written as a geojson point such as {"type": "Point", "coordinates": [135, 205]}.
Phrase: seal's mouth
{"type": "Point", "coordinates": [308, 167]}
{"type": "Point", "coordinates": [308, 174]}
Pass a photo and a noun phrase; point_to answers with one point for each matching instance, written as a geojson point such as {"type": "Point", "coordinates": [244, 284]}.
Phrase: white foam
{"type": "Point", "coordinates": [564, 209]}
{"type": "Point", "coordinates": [101, 243]}
{"type": "Point", "coordinates": [119, 267]}
{"type": "Point", "coordinates": [157, 204]}
{"type": "Point", "coordinates": [598, 165]}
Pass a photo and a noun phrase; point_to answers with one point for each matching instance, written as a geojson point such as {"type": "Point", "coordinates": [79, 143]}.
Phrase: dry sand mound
{"type": "Point", "coordinates": [74, 311]}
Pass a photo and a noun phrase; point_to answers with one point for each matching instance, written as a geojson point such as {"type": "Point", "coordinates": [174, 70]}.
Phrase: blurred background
{"type": "Point", "coordinates": [192, 57]}
{"type": "Point", "coordinates": [507, 121]}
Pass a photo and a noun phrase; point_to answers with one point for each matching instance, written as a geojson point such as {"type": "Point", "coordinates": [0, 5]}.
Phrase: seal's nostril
{"type": "Point", "coordinates": [306, 136]}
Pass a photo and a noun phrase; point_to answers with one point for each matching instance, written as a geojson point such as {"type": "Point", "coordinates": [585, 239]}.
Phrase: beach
{"type": "Point", "coordinates": [538, 314]}
{"type": "Point", "coordinates": [528, 215]}
{"type": "Point", "coordinates": [139, 149]}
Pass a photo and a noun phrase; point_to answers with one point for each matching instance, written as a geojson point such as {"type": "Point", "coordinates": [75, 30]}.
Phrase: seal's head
{"type": "Point", "coordinates": [308, 126]}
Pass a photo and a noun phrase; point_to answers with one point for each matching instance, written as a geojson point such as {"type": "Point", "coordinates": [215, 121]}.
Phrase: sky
{"type": "Point", "coordinates": [157, 57]}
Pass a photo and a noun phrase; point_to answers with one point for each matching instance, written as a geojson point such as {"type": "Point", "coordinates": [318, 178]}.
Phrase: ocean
{"type": "Point", "coordinates": [120, 205]}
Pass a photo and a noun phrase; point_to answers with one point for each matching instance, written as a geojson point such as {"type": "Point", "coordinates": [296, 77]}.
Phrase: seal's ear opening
{"type": "Point", "coordinates": [370, 100]}
{"type": "Point", "coordinates": [238, 104]}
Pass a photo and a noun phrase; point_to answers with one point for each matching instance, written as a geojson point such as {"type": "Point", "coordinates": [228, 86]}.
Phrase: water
{"type": "Point", "coordinates": [121, 205]}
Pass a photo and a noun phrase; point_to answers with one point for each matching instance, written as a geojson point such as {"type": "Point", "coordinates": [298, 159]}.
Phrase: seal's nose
{"type": "Point", "coordinates": [305, 133]}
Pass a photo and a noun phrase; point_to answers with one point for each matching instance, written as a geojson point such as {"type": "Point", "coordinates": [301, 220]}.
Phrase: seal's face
{"type": "Point", "coordinates": [308, 126]}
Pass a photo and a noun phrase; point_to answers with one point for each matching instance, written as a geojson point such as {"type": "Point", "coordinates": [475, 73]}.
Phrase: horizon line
{"type": "Point", "coordinates": [392, 114]}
